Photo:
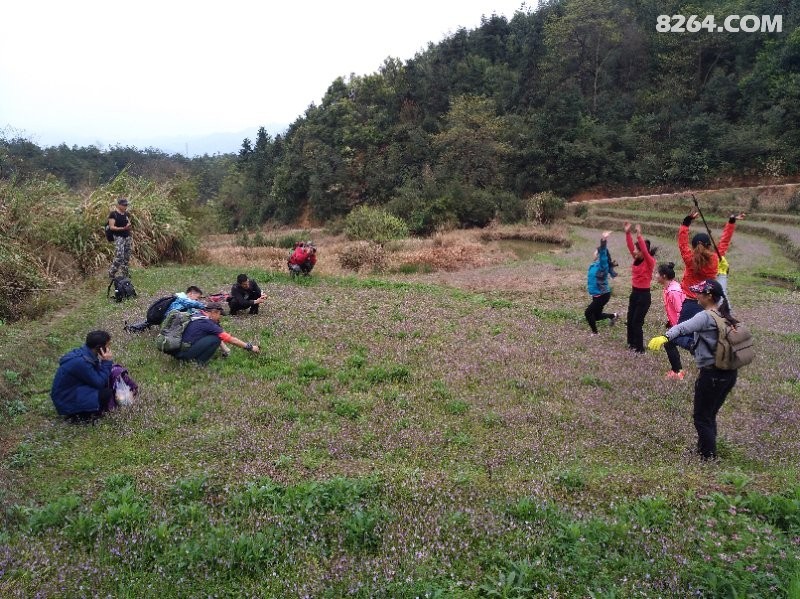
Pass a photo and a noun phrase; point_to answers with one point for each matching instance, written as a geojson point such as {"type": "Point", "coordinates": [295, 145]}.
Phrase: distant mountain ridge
{"type": "Point", "coordinates": [187, 145]}
{"type": "Point", "coordinates": [213, 143]}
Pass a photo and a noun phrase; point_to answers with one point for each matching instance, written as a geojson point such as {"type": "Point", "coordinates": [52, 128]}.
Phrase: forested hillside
{"type": "Point", "coordinates": [575, 95]}
{"type": "Point", "coordinates": [579, 93]}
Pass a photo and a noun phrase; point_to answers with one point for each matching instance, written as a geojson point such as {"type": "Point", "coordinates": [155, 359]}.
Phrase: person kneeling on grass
{"type": "Point", "coordinates": [81, 389]}
{"type": "Point", "coordinates": [203, 335]}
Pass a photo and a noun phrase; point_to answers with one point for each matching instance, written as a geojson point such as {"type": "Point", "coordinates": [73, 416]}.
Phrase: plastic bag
{"type": "Point", "coordinates": [123, 393]}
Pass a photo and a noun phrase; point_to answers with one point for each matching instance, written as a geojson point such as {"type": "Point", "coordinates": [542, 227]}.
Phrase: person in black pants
{"type": "Point", "coordinates": [641, 275]}
{"type": "Point", "coordinates": [245, 295]}
{"type": "Point", "coordinates": [713, 384]}
{"type": "Point", "coordinates": [598, 285]}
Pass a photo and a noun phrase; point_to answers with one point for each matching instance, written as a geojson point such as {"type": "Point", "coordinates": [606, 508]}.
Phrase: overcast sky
{"type": "Point", "coordinates": [86, 71]}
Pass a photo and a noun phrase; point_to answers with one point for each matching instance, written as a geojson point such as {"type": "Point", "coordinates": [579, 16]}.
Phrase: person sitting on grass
{"type": "Point", "coordinates": [190, 302]}
{"type": "Point", "coordinates": [203, 335]}
{"type": "Point", "coordinates": [245, 294]}
{"type": "Point", "coordinates": [81, 390]}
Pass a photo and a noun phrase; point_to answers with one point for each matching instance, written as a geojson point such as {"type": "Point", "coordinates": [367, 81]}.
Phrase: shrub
{"type": "Point", "coordinates": [363, 255]}
{"type": "Point", "coordinates": [423, 207]}
{"type": "Point", "coordinates": [544, 207]}
{"type": "Point", "coordinates": [374, 224]}
{"type": "Point", "coordinates": [510, 208]}
{"type": "Point", "coordinates": [473, 207]}
{"type": "Point", "coordinates": [581, 210]}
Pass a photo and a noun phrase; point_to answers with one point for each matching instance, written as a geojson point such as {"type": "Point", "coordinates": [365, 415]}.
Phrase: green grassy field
{"type": "Point", "coordinates": [402, 438]}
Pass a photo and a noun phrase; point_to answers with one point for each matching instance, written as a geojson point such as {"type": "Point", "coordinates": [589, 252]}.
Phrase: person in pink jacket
{"type": "Point", "coordinates": [673, 302]}
{"type": "Point", "coordinates": [641, 276]}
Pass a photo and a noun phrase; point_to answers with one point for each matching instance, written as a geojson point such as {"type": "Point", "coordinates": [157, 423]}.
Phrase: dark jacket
{"type": "Point", "coordinates": [79, 378]}
{"type": "Point", "coordinates": [244, 297]}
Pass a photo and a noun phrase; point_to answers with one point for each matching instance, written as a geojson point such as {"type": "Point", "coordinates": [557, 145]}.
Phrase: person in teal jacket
{"type": "Point", "coordinates": [187, 302]}
{"type": "Point", "coordinates": [597, 282]}
{"type": "Point", "coordinates": [81, 387]}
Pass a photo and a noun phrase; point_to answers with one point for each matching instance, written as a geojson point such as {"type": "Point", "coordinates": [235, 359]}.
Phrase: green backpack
{"type": "Point", "coordinates": [169, 337]}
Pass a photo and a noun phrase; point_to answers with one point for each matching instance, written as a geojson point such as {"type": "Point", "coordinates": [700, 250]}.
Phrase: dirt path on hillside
{"type": "Point", "coordinates": [688, 192]}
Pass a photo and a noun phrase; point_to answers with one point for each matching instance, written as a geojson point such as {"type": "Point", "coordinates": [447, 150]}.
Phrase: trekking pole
{"type": "Point", "coordinates": [711, 237]}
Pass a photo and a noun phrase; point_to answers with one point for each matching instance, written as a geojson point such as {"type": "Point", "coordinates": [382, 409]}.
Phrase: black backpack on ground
{"type": "Point", "coordinates": [155, 315]}
{"type": "Point", "coordinates": [123, 288]}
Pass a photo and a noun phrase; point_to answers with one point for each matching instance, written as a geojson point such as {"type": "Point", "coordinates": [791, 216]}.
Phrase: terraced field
{"type": "Point", "coordinates": [430, 435]}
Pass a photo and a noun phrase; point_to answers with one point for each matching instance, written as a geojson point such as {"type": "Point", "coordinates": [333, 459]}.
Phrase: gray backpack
{"type": "Point", "coordinates": [169, 337]}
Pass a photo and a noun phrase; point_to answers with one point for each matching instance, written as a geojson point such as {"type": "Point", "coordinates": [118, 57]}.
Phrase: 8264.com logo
{"type": "Point", "coordinates": [731, 24]}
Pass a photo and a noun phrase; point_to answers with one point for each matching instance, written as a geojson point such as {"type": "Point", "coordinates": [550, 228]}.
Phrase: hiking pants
{"type": "Point", "coordinates": [638, 305]}
{"type": "Point", "coordinates": [201, 351]}
{"type": "Point", "coordinates": [710, 390]}
{"type": "Point", "coordinates": [689, 308]}
{"type": "Point", "coordinates": [122, 256]}
{"type": "Point", "coordinates": [595, 310]}
{"type": "Point", "coordinates": [674, 356]}
{"type": "Point", "coordinates": [237, 306]}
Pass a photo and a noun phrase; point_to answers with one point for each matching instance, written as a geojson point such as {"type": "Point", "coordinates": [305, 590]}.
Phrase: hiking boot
{"type": "Point", "coordinates": [675, 376]}
{"type": "Point", "coordinates": [613, 319]}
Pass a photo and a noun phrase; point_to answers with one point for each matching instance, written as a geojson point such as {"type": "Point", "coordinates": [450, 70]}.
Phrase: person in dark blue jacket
{"type": "Point", "coordinates": [81, 388]}
{"type": "Point", "coordinates": [599, 286]}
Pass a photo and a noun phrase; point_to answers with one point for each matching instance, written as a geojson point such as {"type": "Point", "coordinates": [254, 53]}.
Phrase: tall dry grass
{"type": "Point", "coordinates": [50, 235]}
{"type": "Point", "coordinates": [453, 250]}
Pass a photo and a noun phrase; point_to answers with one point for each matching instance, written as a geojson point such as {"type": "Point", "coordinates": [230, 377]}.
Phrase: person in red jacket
{"type": "Point", "coordinates": [701, 263]}
{"type": "Point", "coordinates": [641, 277]}
{"type": "Point", "coordinates": [303, 258]}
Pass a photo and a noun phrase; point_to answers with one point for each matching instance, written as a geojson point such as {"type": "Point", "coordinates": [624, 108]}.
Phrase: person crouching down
{"type": "Point", "coordinates": [303, 258]}
{"type": "Point", "coordinates": [203, 336]}
{"type": "Point", "coordinates": [81, 389]}
{"type": "Point", "coordinates": [245, 294]}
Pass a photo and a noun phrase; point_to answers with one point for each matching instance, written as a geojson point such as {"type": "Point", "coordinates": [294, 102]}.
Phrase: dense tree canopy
{"type": "Point", "coordinates": [574, 95]}
{"type": "Point", "coordinates": [577, 94]}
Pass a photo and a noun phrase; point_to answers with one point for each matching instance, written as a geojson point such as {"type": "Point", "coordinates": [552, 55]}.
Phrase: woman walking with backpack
{"type": "Point", "coordinates": [713, 384]}
{"type": "Point", "coordinates": [641, 277]}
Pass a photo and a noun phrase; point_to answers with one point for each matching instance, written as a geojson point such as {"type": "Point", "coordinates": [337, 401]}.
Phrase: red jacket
{"type": "Point", "coordinates": [690, 277]}
{"type": "Point", "coordinates": [299, 255]}
{"type": "Point", "coordinates": [642, 273]}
